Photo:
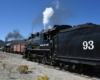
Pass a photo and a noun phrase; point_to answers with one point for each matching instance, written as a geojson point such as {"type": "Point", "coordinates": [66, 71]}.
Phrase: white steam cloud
{"type": "Point", "coordinates": [49, 26]}
{"type": "Point", "coordinates": [47, 14]}
{"type": "Point", "coordinates": [55, 14]}
{"type": "Point", "coordinates": [56, 4]}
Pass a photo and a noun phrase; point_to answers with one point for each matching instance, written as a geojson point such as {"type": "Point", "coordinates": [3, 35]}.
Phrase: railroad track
{"type": "Point", "coordinates": [86, 74]}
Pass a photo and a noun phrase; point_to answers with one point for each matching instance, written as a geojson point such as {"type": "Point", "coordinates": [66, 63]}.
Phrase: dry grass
{"type": "Point", "coordinates": [10, 69]}
{"type": "Point", "coordinates": [44, 77]}
{"type": "Point", "coordinates": [22, 69]}
{"type": "Point", "coordinates": [4, 65]}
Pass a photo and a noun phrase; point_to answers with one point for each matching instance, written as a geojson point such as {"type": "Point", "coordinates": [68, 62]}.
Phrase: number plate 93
{"type": "Point", "coordinates": [88, 45]}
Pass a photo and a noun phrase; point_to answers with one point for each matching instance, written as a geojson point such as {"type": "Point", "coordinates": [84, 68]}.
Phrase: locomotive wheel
{"type": "Point", "coordinates": [70, 67]}
{"type": "Point", "coordinates": [44, 60]}
{"type": "Point", "coordinates": [28, 59]}
{"type": "Point", "coordinates": [61, 65]}
{"type": "Point", "coordinates": [38, 60]}
{"type": "Point", "coordinates": [51, 63]}
{"type": "Point", "coordinates": [34, 60]}
{"type": "Point", "coordinates": [24, 55]}
{"type": "Point", "coordinates": [80, 70]}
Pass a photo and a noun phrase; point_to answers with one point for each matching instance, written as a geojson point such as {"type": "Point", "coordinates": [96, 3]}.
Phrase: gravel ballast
{"type": "Point", "coordinates": [35, 70]}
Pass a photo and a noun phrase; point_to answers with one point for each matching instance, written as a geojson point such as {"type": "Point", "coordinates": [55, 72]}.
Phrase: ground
{"type": "Point", "coordinates": [35, 69]}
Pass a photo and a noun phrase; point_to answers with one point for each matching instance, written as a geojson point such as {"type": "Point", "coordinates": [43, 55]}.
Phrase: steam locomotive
{"type": "Point", "coordinates": [76, 47]}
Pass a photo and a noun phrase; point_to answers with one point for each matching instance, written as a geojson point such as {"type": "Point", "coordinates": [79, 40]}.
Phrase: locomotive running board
{"type": "Point", "coordinates": [39, 49]}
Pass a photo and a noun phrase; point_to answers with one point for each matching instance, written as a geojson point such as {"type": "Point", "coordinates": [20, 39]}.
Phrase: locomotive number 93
{"type": "Point", "coordinates": [88, 45]}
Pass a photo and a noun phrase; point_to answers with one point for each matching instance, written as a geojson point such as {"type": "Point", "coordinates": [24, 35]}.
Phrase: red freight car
{"type": "Point", "coordinates": [15, 48]}
{"type": "Point", "coordinates": [18, 48]}
{"type": "Point", "coordinates": [22, 47]}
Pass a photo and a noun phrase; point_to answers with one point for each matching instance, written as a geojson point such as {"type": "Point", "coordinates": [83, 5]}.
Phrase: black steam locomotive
{"type": "Point", "coordinates": [8, 47]}
{"type": "Point", "coordinates": [76, 47]}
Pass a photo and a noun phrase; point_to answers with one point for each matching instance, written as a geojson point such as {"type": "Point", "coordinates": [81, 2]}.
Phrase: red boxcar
{"type": "Point", "coordinates": [22, 47]}
{"type": "Point", "coordinates": [18, 48]}
{"type": "Point", "coordinates": [15, 48]}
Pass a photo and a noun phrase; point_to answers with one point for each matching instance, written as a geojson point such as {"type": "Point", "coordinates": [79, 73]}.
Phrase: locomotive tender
{"type": "Point", "coordinates": [65, 45]}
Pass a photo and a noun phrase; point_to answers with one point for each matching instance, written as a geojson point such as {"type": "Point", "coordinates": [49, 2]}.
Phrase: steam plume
{"type": "Point", "coordinates": [47, 14]}
{"type": "Point", "coordinates": [49, 26]}
{"type": "Point", "coordinates": [37, 21]}
{"type": "Point", "coordinates": [61, 13]}
{"type": "Point", "coordinates": [55, 14]}
{"type": "Point", "coordinates": [56, 4]}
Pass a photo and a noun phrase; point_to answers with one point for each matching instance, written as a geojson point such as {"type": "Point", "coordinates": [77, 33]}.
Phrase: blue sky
{"type": "Point", "coordinates": [25, 14]}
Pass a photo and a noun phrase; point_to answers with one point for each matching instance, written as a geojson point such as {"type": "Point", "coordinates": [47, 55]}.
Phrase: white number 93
{"type": "Point", "coordinates": [88, 45]}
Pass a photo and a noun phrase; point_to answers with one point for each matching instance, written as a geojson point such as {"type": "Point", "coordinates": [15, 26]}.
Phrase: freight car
{"type": "Point", "coordinates": [76, 47]}
{"type": "Point", "coordinates": [19, 48]}
{"type": "Point", "coordinates": [14, 48]}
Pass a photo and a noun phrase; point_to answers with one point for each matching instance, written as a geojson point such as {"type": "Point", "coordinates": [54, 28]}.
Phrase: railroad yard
{"type": "Point", "coordinates": [35, 70]}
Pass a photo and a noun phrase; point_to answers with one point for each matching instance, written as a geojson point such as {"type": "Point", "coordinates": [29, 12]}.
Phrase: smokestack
{"type": "Point", "coordinates": [32, 35]}
{"type": "Point", "coordinates": [37, 34]}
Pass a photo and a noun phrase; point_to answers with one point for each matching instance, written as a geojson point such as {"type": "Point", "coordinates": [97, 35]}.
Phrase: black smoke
{"type": "Point", "coordinates": [37, 21]}
{"type": "Point", "coordinates": [14, 35]}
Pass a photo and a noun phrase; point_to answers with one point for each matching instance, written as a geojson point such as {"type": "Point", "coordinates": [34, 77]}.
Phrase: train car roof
{"type": "Point", "coordinates": [79, 27]}
{"type": "Point", "coordinates": [57, 28]}
{"type": "Point", "coordinates": [8, 44]}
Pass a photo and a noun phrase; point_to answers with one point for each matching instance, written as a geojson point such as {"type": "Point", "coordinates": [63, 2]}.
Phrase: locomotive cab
{"type": "Point", "coordinates": [47, 38]}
